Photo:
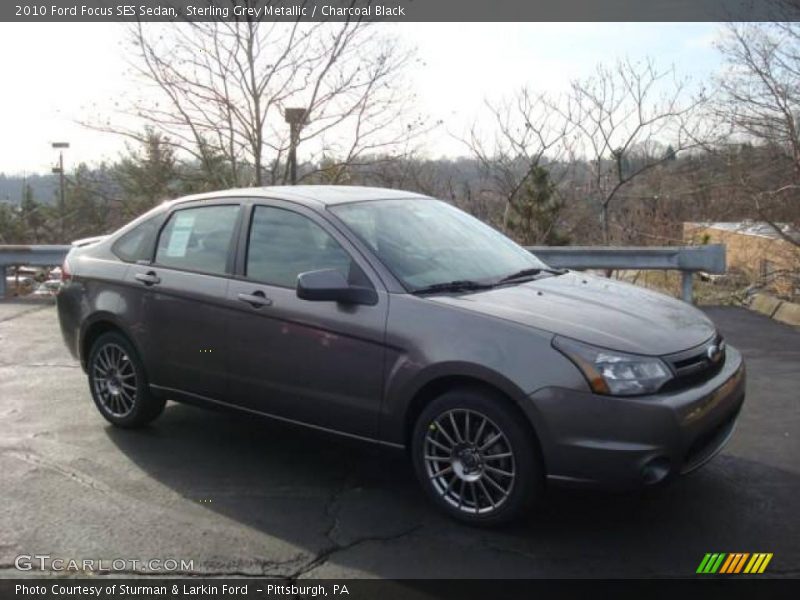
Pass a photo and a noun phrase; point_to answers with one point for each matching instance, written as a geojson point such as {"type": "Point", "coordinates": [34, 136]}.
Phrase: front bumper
{"type": "Point", "coordinates": [623, 443]}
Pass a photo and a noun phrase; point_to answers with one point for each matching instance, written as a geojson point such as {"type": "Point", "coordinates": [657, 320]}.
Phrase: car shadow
{"type": "Point", "coordinates": [325, 493]}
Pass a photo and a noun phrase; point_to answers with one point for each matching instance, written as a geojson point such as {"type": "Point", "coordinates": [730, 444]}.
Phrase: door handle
{"type": "Point", "coordinates": [149, 278]}
{"type": "Point", "coordinates": [257, 299]}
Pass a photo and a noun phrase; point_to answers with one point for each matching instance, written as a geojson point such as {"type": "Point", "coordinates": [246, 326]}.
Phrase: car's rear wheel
{"type": "Point", "coordinates": [475, 459]}
{"type": "Point", "coordinates": [118, 383]}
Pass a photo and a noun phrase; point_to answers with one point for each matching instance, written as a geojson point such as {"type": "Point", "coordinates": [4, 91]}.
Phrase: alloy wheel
{"type": "Point", "coordinates": [114, 379]}
{"type": "Point", "coordinates": [469, 461]}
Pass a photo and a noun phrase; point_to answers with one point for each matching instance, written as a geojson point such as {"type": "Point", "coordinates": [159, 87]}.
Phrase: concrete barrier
{"type": "Point", "coordinates": [765, 304]}
{"type": "Point", "coordinates": [789, 313]}
{"type": "Point", "coordinates": [775, 308]}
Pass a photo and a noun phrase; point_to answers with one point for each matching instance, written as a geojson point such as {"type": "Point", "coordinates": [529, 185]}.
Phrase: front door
{"type": "Point", "coordinates": [320, 363]}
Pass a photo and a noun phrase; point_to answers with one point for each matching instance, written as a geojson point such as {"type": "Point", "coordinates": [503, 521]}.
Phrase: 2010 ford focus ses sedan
{"type": "Point", "coordinates": [398, 319]}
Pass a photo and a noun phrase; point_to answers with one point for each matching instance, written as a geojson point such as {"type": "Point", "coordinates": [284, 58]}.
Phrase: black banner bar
{"type": "Point", "coordinates": [398, 10]}
{"type": "Point", "coordinates": [108, 588]}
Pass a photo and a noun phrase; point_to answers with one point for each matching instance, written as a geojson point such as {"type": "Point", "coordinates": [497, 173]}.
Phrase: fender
{"type": "Point", "coordinates": [400, 395]}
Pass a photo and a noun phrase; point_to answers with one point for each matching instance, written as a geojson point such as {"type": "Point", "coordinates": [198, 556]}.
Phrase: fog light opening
{"type": "Point", "coordinates": [656, 470]}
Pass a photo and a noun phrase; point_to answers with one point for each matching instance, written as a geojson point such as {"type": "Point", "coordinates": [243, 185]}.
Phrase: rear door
{"type": "Point", "coordinates": [183, 315]}
{"type": "Point", "coordinates": [316, 362]}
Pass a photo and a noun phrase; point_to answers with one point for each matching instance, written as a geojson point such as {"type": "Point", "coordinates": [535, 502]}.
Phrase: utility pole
{"type": "Point", "coordinates": [60, 146]}
{"type": "Point", "coordinates": [296, 117]}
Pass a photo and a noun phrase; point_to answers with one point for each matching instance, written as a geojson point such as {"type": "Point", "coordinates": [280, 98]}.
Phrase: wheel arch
{"type": "Point", "coordinates": [497, 386]}
{"type": "Point", "coordinates": [97, 325]}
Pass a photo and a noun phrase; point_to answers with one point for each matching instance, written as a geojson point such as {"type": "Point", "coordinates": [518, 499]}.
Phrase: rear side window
{"type": "Point", "coordinates": [137, 244]}
{"type": "Point", "coordinates": [198, 239]}
{"type": "Point", "coordinates": [284, 244]}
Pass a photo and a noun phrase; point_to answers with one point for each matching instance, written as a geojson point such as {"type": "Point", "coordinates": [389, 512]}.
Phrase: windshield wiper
{"type": "Point", "coordinates": [531, 272]}
{"type": "Point", "coordinates": [459, 285]}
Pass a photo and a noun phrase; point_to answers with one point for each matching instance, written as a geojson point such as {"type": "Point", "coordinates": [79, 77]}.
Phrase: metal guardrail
{"type": "Point", "coordinates": [36, 256]}
{"type": "Point", "coordinates": [686, 259]}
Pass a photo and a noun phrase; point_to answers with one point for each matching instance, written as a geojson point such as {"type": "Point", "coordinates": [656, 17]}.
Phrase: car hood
{"type": "Point", "coordinates": [596, 310]}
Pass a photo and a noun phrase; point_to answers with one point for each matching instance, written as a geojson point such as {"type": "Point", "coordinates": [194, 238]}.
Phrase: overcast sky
{"type": "Point", "coordinates": [52, 72]}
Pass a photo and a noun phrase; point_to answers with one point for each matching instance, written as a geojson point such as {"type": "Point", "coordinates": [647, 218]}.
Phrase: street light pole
{"type": "Point", "coordinates": [293, 153]}
{"type": "Point", "coordinates": [60, 146]}
{"type": "Point", "coordinates": [296, 117]}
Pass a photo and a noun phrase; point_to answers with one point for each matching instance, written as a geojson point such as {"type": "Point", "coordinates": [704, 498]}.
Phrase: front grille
{"type": "Point", "coordinates": [695, 366]}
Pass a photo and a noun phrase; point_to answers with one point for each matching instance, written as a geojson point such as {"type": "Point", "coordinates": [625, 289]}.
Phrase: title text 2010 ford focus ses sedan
{"type": "Point", "coordinates": [398, 319]}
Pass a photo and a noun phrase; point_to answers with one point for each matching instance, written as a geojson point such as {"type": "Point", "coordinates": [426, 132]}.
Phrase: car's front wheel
{"type": "Point", "coordinates": [475, 459]}
{"type": "Point", "coordinates": [118, 383]}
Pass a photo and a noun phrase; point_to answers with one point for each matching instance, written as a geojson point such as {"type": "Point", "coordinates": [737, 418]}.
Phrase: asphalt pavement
{"type": "Point", "coordinates": [243, 496]}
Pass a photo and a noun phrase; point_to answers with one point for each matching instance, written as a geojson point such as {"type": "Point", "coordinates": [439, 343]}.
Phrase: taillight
{"type": "Point", "coordinates": [66, 275]}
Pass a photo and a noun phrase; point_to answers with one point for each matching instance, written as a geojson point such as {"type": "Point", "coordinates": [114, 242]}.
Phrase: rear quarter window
{"type": "Point", "coordinates": [137, 244]}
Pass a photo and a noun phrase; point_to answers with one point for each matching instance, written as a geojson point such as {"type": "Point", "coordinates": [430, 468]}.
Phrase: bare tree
{"type": "Point", "coordinates": [760, 99]}
{"type": "Point", "coordinates": [628, 119]}
{"type": "Point", "coordinates": [528, 135]}
{"type": "Point", "coordinates": [217, 90]}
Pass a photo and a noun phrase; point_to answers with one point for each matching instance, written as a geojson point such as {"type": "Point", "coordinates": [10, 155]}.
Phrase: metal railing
{"type": "Point", "coordinates": [686, 259]}
{"type": "Point", "coordinates": [34, 256]}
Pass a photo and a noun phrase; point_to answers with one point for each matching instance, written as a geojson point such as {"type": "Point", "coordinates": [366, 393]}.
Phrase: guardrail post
{"type": "Point", "coordinates": [2, 281]}
{"type": "Point", "coordinates": [686, 286]}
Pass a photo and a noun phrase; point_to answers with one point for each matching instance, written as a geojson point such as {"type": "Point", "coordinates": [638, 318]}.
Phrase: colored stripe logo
{"type": "Point", "coordinates": [734, 563]}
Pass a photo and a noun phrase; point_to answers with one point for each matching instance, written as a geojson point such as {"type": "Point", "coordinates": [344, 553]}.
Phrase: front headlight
{"type": "Point", "coordinates": [615, 373]}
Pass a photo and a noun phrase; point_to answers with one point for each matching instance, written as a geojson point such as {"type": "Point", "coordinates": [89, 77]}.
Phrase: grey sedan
{"type": "Point", "coordinates": [398, 319]}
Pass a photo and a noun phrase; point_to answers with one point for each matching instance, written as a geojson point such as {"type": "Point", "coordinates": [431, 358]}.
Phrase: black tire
{"type": "Point", "coordinates": [118, 383]}
{"type": "Point", "coordinates": [476, 468]}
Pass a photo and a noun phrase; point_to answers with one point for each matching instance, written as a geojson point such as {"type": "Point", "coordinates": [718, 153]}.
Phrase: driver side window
{"type": "Point", "coordinates": [282, 244]}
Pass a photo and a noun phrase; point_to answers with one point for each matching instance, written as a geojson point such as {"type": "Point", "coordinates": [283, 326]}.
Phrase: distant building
{"type": "Point", "coordinates": [755, 250]}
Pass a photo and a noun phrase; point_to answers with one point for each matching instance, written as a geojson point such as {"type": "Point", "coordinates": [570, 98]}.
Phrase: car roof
{"type": "Point", "coordinates": [314, 195]}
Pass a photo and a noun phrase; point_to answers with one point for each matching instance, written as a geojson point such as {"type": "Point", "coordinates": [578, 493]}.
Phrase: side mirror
{"type": "Point", "coordinates": [331, 286]}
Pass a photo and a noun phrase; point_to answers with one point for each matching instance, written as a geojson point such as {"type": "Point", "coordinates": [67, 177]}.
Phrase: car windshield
{"type": "Point", "coordinates": [428, 242]}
